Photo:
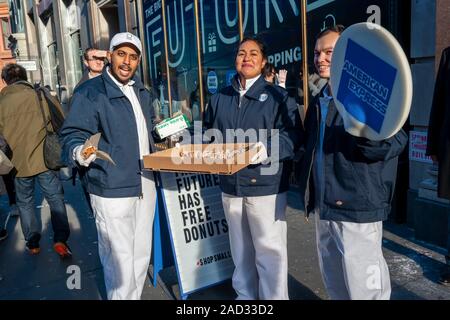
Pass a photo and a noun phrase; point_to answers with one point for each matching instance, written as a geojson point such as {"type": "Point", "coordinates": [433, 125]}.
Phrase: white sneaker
{"type": "Point", "coordinates": [14, 211]}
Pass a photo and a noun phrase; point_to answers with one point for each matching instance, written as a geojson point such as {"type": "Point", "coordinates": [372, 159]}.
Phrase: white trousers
{"type": "Point", "coordinates": [351, 260]}
{"type": "Point", "coordinates": [258, 241]}
{"type": "Point", "coordinates": [124, 227]}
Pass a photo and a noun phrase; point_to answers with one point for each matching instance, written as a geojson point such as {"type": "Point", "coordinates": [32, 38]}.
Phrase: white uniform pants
{"type": "Point", "coordinates": [351, 260]}
{"type": "Point", "coordinates": [124, 227]}
{"type": "Point", "coordinates": [258, 240]}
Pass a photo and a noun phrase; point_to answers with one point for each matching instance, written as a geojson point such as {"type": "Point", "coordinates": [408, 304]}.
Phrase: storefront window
{"type": "Point", "coordinates": [77, 54]}
{"type": "Point", "coordinates": [183, 64]}
{"type": "Point", "coordinates": [50, 49]}
{"type": "Point", "coordinates": [182, 56]}
{"type": "Point", "coordinates": [53, 62]}
{"type": "Point", "coordinates": [276, 22]}
{"type": "Point", "coordinates": [5, 31]}
{"type": "Point", "coordinates": [154, 36]}
{"type": "Point", "coordinates": [71, 30]}
{"type": "Point", "coordinates": [219, 26]}
{"type": "Point", "coordinates": [16, 13]}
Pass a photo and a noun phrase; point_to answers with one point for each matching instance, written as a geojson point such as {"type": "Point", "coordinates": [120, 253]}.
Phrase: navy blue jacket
{"type": "Point", "coordinates": [359, 174]}
{"type": "Point", "coordinates": [98, 105]}
{"type": "Point", "coordinates": [265, 107]}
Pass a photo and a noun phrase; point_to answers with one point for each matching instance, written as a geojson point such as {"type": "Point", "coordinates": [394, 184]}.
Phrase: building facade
{"type": "Point", "coordinates": [427, 214]}
{"type": "Point", "coordinates": [7, 44]}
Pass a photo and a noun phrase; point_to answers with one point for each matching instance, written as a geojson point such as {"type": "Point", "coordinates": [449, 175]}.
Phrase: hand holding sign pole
{"type": "Point", "coordinates": [371, 82]}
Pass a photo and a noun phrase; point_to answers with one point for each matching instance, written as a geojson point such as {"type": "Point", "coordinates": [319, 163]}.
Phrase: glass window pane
{"type": "Point", "coordinates": [153, 30]}
{"type": "Point", "coordinates": [5, 32]}
{"type": "Point", "coordinates": [277, 24]}
{"type": "Point", "coordinates": [182, 51]}
{"type": "Point", "coordinates": [77, 54]}
{"type": "Point", "coordinates": [53, 62]}
{"type": "Point", "coordinates": [219, 27]}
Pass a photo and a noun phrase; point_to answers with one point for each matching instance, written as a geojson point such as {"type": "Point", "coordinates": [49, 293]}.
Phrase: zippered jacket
{"type": "Point", "coordinates": [264, 107]}
{"type": "Point", "coordinates": [359, 174]}
{"type": "Point", "coordinates": [98, 105]}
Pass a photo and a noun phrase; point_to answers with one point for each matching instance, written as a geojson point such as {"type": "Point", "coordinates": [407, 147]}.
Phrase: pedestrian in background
{"type": "Point", "coordinates": [438, 146]}
{"type": "Point", "coordinates": [22, 126]}
{"type": "Point", "coordinates": [271, 75]}
{"type": "Point", "coordinates": [8, 180]}
{"type": "Point", "coordinates": [94, 61]}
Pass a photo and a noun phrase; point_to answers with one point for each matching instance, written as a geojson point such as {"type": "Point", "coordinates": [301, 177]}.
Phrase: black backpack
{"type": "Point", "coordinates": [52, 146]}
{"type": "Point", "coordinates": [54, 107]}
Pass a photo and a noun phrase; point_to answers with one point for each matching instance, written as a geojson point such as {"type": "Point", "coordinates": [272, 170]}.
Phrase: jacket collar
{"type": "Point", "coordinates": [23, 82]}
{"type": "Point", "coordinates": [332, 111]}
{"type": "Point", "coordinates": [16, 86]}
{"type": "Point", "coordinates": [255, 90]}
{"type": "Point", "coordinates": [112, 90]}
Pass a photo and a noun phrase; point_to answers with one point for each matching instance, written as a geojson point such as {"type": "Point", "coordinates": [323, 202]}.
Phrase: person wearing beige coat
{"type": "Point", "coordinates": [22, 125]}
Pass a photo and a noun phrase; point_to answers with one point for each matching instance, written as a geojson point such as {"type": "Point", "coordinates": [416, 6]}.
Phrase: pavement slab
{"type": "Point", "coordinates": [415, 266]}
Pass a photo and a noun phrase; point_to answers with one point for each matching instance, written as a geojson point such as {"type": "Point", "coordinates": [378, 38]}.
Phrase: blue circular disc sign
{"type": "Point", "coordinates": [371, 82]}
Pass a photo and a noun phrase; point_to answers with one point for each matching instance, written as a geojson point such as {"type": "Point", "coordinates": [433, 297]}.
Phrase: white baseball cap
{"type": "Point", "coordinates": [125, 37]}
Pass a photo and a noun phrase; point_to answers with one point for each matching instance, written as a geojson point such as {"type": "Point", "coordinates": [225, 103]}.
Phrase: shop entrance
{"type": "Point", "coordinates": [107, 22]}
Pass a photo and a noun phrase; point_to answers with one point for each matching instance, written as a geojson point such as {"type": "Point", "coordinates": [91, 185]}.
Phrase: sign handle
{"type": "Point", "coordinates": [163, 255]}
{"type": "Point", "coordinates": [157, 247]}
{"type": "Point", "coordinates": [305, 56]}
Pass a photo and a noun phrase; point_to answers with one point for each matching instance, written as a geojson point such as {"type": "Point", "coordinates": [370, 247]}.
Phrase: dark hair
{"type": "Point", "coordinates": [338, 28]}
{"type": "Point", "coordinates": [86, 52]}
{"type": "Point", "coordinates": [14, 72]}
{"type": "Point", "coordinates": [268, 69]}
{"type": "Point", "coordinates": [262, 46]}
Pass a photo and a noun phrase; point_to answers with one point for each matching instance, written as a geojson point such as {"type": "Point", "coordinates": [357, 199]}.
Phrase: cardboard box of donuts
{"type": "Point", "coordinates": [223, 159]}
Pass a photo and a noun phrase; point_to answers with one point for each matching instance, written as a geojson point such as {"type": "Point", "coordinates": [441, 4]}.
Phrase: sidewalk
{"type": "Point", "coordinates": [415, 266]}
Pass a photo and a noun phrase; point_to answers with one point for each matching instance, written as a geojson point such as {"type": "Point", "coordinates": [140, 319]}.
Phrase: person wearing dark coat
{"type": "Point", "coordinates": [255, 198]}
{"type": "Point", "coordinates": [438, 146]}
{"type": "Point", "coordinates": [348, 182]}
{"type": "Point", "coordinates": [123, 195]}
{"type": "Point", "coordinates": [94, 61]}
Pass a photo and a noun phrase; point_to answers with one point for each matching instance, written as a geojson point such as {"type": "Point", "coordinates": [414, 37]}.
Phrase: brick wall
{"type": "Point", "coordinates": [442, 27]}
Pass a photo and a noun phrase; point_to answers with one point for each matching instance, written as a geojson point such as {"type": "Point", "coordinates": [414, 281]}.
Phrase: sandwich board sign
{"type": "Point", "coordinates": [197, 230]}
{"type": "Point", "coordinates": [371, 81]}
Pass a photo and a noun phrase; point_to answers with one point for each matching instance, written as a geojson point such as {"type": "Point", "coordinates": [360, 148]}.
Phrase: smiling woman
{"type": "Point", "coordinates": [250, 59]}
{"type": "Point", "coordinates": [255, 198]}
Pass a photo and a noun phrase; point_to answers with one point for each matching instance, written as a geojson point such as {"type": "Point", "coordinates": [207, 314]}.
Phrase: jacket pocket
{"type": "Point", "coordinates": [344, 189]}
{"type": "Point", "coordinates": [259, 175]}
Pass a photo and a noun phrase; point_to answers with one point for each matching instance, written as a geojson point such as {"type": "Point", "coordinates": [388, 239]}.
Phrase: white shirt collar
{"type": "Point", "coordinates": [326, 94]}
{"type": "Point", "coordinates": [91, 76]}
{"type": "Point", "coordinates": [248, 83]}
{"type": "Point", "coordinates": [119, 84]}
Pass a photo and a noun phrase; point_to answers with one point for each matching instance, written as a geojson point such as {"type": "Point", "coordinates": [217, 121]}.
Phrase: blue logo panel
{"type": "Point", "coordinates": [229, 76]}
{"type": "Point", "coordinates": [212, 82]}
{"type": "Point", "coordinates": [366, 85]}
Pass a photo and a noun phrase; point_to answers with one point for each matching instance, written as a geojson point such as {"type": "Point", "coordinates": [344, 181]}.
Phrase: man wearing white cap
{"type": "Point", "coordinates": [122, 195]}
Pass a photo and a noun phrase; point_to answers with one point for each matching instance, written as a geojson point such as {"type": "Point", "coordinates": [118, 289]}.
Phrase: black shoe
{"type": "Point", "coordinates": [3, 234]}
{"type": "Point", "coordinates": [445, 279]}
{"type": "Point", "coordinates": [33, 248]}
